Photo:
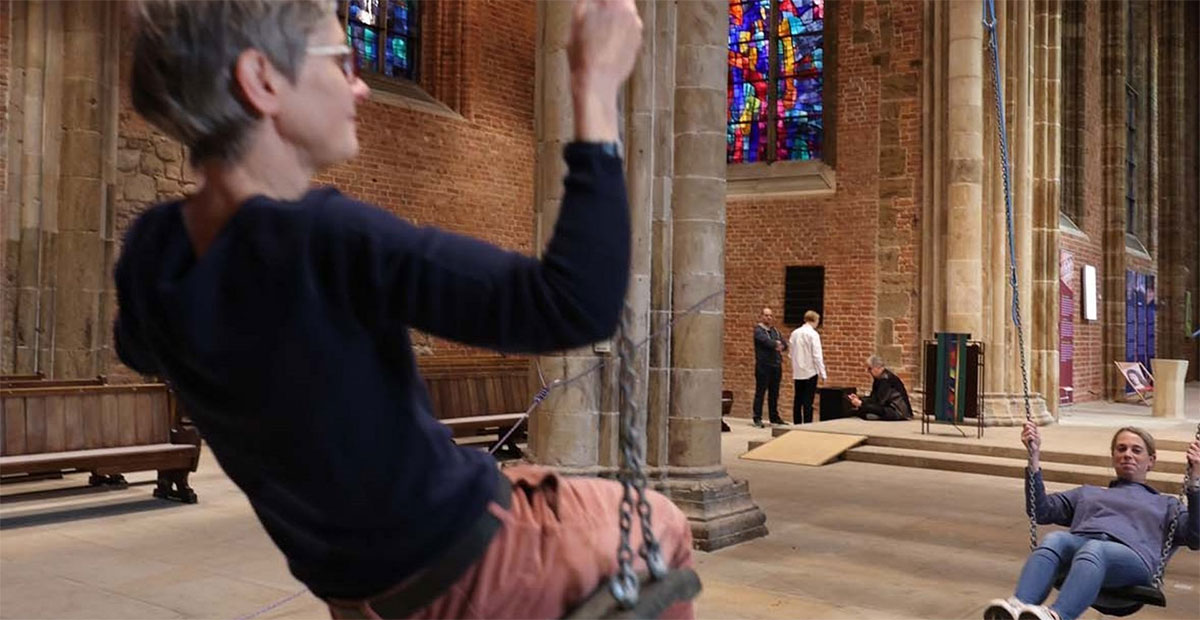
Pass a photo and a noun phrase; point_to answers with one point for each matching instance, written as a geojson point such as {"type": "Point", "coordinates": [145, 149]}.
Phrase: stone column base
{"type": "Point", "coordinates": [1000, 409]}
{"type": "Point", "coordinates": [720, 509]}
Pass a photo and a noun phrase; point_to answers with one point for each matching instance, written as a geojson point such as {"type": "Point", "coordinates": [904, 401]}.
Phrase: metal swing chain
{"type": "Point", "coordinates": [625, 584]}
{"type": "Point", "coordinates": [1168, 542]}
{"type": "Point", "coordinates": [989, 23]}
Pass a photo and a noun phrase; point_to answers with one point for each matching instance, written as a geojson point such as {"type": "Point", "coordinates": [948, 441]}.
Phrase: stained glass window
{"type": "Point", "coordinates": [776, 71]}
{"type": "Point", "coordinates": [384, 33]}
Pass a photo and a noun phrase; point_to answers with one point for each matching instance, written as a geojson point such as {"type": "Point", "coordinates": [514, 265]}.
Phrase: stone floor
{"type": "Point", "coordinates": [848, 540]}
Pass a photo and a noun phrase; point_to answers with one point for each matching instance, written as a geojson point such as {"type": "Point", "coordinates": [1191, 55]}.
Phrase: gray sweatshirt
{"type": "Point", "coordinates": [1131, 513]}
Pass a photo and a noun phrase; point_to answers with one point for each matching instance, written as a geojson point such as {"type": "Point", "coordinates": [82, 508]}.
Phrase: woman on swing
{"type": "Point", "coordinates": [1116, 533]}
{"type": "Point", "coordinates": [280, 314]}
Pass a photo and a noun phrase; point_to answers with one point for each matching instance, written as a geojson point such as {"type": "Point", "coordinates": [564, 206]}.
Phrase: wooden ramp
{"type": "Point", "coordinates": [805, 448]}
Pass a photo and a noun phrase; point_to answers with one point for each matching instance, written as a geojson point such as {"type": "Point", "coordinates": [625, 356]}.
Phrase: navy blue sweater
{"type": "Point", "coordinates": [288, 344]}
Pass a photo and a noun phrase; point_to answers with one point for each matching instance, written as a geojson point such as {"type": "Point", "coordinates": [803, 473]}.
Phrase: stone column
{"type": "Point", "coordinates": [968, 234]}
{"type": "Point", "coordinates": [641, 114]}
{"type": "Point", "coordinates": [564, 430]}
{"type": "Point", "coordinates": [81, 217]}
{"type": "Point", "coordinates": [1176, 212]}
{"type": "Point", "coordinates": [1046, 202]}
{"type": "Point", "coordinates": [1112, 41]}
{"type": "Point", "coordinates": [1191, 173]}
{"type": "Point", "coordinates": [1020, 142]}
{"type": "Point", "coordinates": [59, 252]}
{"type": "Point", "coordinates": [660, 42]}
{"type": "Point", "coordinates": [964, 242]}
{"type": "Point", "coordinates": [720, 509]}
{"type": "Point", "coordinates": [23, 201]}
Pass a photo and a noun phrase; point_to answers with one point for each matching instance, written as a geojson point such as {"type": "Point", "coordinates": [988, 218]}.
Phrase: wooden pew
{"type": "Point", "coordinates": [726, 408]}
{"type": "Point", "coordinates": [107, 430]}
{"type": "Point", "coordinates": [22, 377]}
{"type": "Point", "coordinates": [480, 395]}
{"type": "Point", "coordinates": [38, 381]}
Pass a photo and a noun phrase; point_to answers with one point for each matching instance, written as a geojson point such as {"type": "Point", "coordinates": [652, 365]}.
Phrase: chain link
{"type": "Point", "coordinates": [1169, 541]}
{"type": "Point", "coordinates": [624, 586]}
{"type": "Point", "coordinates": [632, 474]}
{"type": "Point", "coordinates": [989, 23]}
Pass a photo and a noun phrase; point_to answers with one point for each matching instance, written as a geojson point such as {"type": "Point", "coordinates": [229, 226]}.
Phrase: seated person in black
{"type": "Point", "coordinates": [888, 399]}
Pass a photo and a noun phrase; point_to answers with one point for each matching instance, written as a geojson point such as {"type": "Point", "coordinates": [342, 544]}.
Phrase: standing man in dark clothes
{"type": "Point", "coordinates": [280, 315]}
{"type": "Point", "coordinates": [769, 346]}
{"type": "Point", "coordinates": [888, 400]}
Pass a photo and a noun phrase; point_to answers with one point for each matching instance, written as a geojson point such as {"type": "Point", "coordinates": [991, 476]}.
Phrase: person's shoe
{"type": "Point", "coordinates": [725, 428]}
{"type": "Point", "coordinates": [1003, 609]}
{"type": "Point", "coordinates": [1037, 612]}
{"type": "Point", "coordinates": [778, 423]}
{"type": "Point", "coordinates": [758, 423]}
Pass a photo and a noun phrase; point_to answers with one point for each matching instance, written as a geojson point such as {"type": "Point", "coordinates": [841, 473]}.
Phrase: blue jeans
{"type": "Point", "coordinates": [1094, 564]}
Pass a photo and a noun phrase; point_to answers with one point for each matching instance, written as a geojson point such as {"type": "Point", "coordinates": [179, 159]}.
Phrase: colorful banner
{"type": "Point", "coordinates": [951, 377]}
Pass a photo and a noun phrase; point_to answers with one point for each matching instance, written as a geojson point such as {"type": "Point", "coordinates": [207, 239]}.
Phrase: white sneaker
{"type": "Point", "coordinates": [1002, 609]}
{"type": "Point", "coordinates": [1037, 612]}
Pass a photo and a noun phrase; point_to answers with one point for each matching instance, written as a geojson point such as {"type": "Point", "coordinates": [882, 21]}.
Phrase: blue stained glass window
{"type": "Point", "coordinates": [384, 34]}
{"type": "Point", "coordinates": [779, 43]}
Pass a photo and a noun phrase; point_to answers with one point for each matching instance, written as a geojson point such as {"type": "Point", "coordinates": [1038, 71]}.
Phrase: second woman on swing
{"type": "Point", "coordinates": [1116, 533]}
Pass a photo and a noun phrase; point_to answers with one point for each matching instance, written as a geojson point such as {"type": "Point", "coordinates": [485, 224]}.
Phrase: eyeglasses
{"type": "Point", "coordinates": [345, 55]}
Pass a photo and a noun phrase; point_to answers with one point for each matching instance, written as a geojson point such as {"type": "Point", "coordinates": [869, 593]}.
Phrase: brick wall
{"type": "Point", "coordinates": [470, 173]}
{"type": "Point", "coordinates": [865, 235]}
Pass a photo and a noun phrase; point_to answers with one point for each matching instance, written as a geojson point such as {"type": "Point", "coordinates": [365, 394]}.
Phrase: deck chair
{"type": "Point", "coordinates": [1137, 378]}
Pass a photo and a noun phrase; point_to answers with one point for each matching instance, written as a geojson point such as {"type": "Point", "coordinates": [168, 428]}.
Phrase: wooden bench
{"type": "Point", "coordinates": [38, 381]}
{"type": "Point", "coordinates": [480, 395]}
{"type": "Point", "coordinates": [107, 430]}
{"type": "Point", "coordinates": [726, 409]}
{"type": "Point", "coordinates": [22, 377]}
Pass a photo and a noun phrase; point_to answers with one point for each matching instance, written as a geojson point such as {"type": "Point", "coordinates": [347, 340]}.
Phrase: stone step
{"type": "Point", "coordinates": [1169, 461]}
{"type": "Point", "coordinates": [1172, 445]}
{"type": "Point", "coordinates": [1000, 466]}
